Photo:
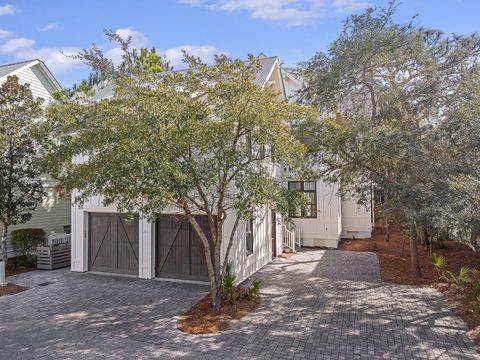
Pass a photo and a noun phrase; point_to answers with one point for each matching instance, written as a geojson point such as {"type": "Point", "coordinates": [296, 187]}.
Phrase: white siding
{"type": "Point", "coordinates": [39, 84]}
{"type": "Point", "coordinates": [356, 220]}
{"type": "Point", "coordinates": [243, 265]}
{"type": "Point", "coordinates": [325, 229]}
{"type": "Point", "coordinates": [246, 265]}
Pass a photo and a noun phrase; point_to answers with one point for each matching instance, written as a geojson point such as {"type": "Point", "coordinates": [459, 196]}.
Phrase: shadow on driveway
{"type": "Point", "coordinates": [320, 304]}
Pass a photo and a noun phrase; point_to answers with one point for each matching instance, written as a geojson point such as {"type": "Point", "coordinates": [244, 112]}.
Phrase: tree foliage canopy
{"type": "Point", "coordinates": [398, 115]}
{"type": "Point", "coordinates": [202, 140]}
{"type": "Point", "coordinates": [20, 186]}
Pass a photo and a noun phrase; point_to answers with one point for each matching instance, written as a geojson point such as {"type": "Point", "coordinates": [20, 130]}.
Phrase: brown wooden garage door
{"type": "Point", "coordinates": [179, 251]}
{"type": "Point", "coordinates": [113, 246]}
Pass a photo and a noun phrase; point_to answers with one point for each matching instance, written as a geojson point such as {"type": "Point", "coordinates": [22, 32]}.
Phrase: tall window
{"type": "Point", "coordinates": [249, 236]}
{"type": "Point", "coordinates": [309, 188]}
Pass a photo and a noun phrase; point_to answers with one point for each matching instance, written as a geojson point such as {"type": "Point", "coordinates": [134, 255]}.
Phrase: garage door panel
{"type": "Point", "coordinates": [113, 244]}
{"type": "Point", "coordinates": [174, 231]}
{"type": "Point", "coordinates": [180, 253]}
{"type": "Point", "coordinates": [127, 243]}
{"type": "Point", "coordinates": [198, 263]}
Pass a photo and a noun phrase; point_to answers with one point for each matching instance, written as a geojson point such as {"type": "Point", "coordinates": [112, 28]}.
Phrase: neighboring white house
{"type": "Point", "coordinates": [54, 211]}
{"type": "Point", "coordinates": [102, 241]}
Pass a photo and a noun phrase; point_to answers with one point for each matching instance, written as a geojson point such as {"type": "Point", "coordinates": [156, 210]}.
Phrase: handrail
{"type": "Point", "coordinates": [288, 238]}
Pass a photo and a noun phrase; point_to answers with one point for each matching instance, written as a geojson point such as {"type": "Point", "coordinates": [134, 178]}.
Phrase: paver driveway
{"type": "Point", "coordinates": [317, 304]}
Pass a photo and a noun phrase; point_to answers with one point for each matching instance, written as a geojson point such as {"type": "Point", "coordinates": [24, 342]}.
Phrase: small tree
{"type": "Point", "coordinates": [20, 186]}
{"type": "Point", "coordinates": [202, 140]}
{"type": "Point", "coordinates": [386, 88]}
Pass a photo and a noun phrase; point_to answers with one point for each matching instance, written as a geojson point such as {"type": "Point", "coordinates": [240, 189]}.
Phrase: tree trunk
{"type": "Point", "coordinates": [213, 266]}
{"type": "Point", "coordinates": [3, 245]}
{"type": "Point", "coordinates": [230, 241]}
{"type": "Point", "coordinates": [414, 250]}
{"type": "Point", "coordinates": [403, 244]}
{"type": "Point", "coordinates": [387, 229]}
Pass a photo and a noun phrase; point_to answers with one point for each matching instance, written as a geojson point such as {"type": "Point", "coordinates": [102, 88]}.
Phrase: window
{"type": "Point", "coordinates": [249, 236]}
{"type": "Point", "coordinates": [309, 188]}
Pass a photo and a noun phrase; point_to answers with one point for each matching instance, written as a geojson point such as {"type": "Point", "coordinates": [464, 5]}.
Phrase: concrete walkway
{"type": "Point", "coordinates": [318, 304]}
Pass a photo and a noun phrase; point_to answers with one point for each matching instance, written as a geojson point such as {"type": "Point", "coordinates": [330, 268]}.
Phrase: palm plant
{"type": "Point", "coordinates": [438, 262]}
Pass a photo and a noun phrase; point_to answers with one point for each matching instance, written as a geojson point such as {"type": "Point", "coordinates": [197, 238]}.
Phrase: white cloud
{"type": "Point", "coordinates": [14, 45]}
{"type": "Point", "coordinates": [205, 52]}
{"type": "Point", "coordinates": [4, 34]}
{"type": "Point", "coordinates": [50, 26]}
{"type": "Point", "coordinates": [58, 60]}
{"type": "Point", "coordinates": [288, 12]}
{"type": "Point", "coordinates": [174, 55]}
{"type": "Point", "coordinates": [55, 58]}
{"type": "Point", "coordinates": [138, 40]}
{"type": "Point", "coordinates": [350, 5]}
{"type": "Point", "coordinates": [7, 9]}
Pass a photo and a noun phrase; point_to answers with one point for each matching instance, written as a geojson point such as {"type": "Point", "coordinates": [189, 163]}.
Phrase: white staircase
{"type": "Point", "coordinates": [288, 238]}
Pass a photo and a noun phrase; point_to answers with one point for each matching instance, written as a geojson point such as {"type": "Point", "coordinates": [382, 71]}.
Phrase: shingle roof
{"type": "Point", "coordinates": [266, 63]}
{"type": "Point", "coordinates": [9, 68]}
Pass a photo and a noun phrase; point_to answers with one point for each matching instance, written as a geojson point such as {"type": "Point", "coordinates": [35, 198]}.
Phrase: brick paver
{"type": "Point", "coordinates": [318, 304]}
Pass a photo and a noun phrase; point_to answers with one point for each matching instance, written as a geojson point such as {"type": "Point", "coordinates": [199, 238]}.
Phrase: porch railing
{"type": "Point", "coordinates": [57, 239]}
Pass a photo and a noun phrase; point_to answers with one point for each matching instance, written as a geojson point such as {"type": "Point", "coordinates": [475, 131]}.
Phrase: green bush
{"type": "Point", "coordinates": [229, 290]}
{"type": "Point", "coordinates": [26, 241]}
{"type": "Point", "coordinates": [254, 291]}
{"type": "Point", "coordinates": [372, 245]}
{"type": "Point", "coordinates": [437, 261]}
{"type": "Point", "coordinates": [25, 261]}
{"type": "Point", "coordinates": [464, 276]}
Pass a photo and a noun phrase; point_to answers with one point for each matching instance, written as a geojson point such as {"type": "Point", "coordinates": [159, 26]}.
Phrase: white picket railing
{"type": "Point", "coordinates": [58, 238]}
{"type": "Point", "coordinates": [288, 238]}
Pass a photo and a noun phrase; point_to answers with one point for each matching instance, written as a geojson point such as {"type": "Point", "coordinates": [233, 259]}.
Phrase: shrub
{"type": "Point", "coordinates": [476, 289]}
{"type": "Point", "coordinates": [464, 277]}
{"type": "Point", "coordinates": [254, 290]}
{"type": "Point", "coordinates": [372, 245]}
{"type": "Point", "coordinates": [438, 262]}
{"type": "Point", "coordinates": [25, 261]}
{"type": "Point", "coordinates": [26, 241]}
{"type": "Point", "coordinates": [229, 290]}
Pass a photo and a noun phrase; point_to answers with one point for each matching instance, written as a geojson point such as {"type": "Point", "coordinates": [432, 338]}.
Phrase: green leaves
{"type": "Point", "coordinates": [438, 261]}
{"type": "Point", "coordinates": [401, 104]}
{"type": "Point", "coordinates": [177, 138]}
{"type": "Point", "coordinates": [20, 184]}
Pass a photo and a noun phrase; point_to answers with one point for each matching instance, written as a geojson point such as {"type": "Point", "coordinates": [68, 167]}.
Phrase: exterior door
{"type": "Point", "coordinates": [113, 244]}
{"type": "Point", "coordinates": [179, 250]}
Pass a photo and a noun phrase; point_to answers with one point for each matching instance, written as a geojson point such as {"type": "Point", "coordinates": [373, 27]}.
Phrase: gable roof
{"type": "Point", "coordinates": [267, 64]}
{"type": "Point", "coordinates": [7, 69]}
{"type": "Point", "coordinates": [13, 68]}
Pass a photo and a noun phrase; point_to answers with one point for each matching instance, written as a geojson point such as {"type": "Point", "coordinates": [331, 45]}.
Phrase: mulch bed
{"type": "Point", "coordinates": [11, 289]}
{"type": "Point", "coordinates": [202, 318]}
{"type": "Point", "coordinates": [10, 268]}
{"type": "Point", "coordinates": [396, 268]}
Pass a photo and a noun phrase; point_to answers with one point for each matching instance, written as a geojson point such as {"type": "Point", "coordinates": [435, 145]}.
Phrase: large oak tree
{"type": "Point", "coordinates": [204, 140]}
{"type": "Point", "coordinates": [385, 89]}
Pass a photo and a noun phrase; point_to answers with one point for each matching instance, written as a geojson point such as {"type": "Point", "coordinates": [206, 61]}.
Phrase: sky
{"type": "Point", "coordinates": [290, 29]}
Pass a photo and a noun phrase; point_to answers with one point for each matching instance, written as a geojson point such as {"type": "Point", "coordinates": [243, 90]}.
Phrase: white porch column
{"type": "Point", "coordinates": [146, 247]}
{"type": "Point", "coordinates": [79, 239]}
